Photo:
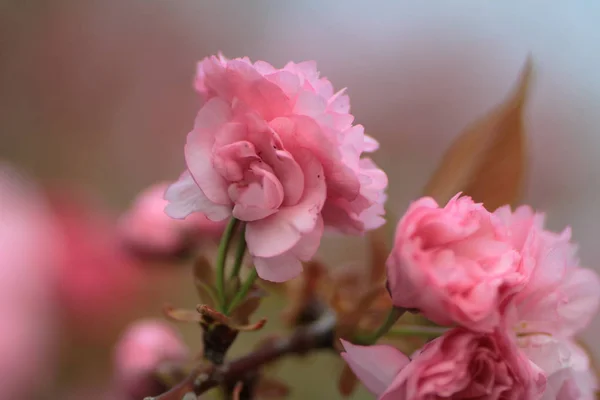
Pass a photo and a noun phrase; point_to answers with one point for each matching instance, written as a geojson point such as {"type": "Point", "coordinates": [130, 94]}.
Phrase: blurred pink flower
{"type": "Point", "coordinates": [276, 148]}
{"type": "Point", "coordinates": [461, 364]}
{"type": "Point", "coordinates": [560, 297]}
{"type": "Point", "coordinates": [454, 264]}
{"type": "Point", "coordinates": [28, 255]}
{"type": "Point", "coordinates": [146, 226]}
{"type": "Point", "coordinates": [99, 281]}
{"type": "Point", "coordinates": [143, 348]}
{"type": "Point", "coordinates": [568, 367]}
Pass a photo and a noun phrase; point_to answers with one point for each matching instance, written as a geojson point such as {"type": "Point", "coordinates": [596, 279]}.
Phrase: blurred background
{"type": "Point", "coordinates": [97, 95]}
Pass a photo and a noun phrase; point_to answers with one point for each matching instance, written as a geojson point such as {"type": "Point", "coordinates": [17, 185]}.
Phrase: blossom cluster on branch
{"type": "Point", "coordinates": [276, 151]}
{"type": "Point", "coordinates": [476, 299]}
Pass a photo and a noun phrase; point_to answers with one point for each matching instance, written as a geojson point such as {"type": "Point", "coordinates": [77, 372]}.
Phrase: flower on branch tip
{"type": "Point", "coordinates": [276, 148]}
{"type": "Point", "coordinates": [455, 264]}
{"type": "Point", "coordinates": [461, 364]}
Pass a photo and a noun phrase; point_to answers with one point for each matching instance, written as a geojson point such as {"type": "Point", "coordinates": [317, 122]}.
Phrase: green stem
{"type": "Point", "coordinates": [243, 292]}
{"type": "Point", "coordinates": [221, 257]}
{"type": "Point", "coordinates": [415, 330]}
{"type": "Point", "coordinates": [239, 252]}
{"type": "Point", "coordinates": [392, 317]}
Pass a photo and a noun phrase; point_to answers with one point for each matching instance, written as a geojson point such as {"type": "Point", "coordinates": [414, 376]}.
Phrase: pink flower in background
{"type": "Point", "coordinates": [461, 364]}
{"type": "Point", "coordinates": [454, 264]}
{"type": "Point", "coordinates": [276, 148]}
{"type": "Point", "coordinates": [99, 281]}
{"type": "Point", "coordinates": [28, 256]}
{"type": "Point", "coordinates": [143, 348]}
{"type": "Point", "coordinates": [560, 297]}
{"type": "Point", "coordinates": [146, 226]}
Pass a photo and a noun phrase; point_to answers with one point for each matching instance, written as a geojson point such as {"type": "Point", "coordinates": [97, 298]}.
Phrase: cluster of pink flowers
{"type": "Point", "coordinates": [512, 294]}
{"type": "Point", "coordinates": [276, 149]}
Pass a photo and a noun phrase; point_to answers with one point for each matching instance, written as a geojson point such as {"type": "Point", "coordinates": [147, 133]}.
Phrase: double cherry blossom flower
{"type": "Point", "coordinates": [276, 149]}
{"type": "Point", "coordinates": [515, 293]}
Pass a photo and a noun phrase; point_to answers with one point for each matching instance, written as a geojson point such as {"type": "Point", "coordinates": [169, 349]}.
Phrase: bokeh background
{"type": "Point", "coordinates": [97, 94]}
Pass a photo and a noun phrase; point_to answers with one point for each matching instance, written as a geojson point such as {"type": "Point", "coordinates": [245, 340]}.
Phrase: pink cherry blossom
{"type": "Point", "coordinates": [560, 297]}
{"type": "Point", "coordinates": [99, 282]}
{"type": "Point", "coordinates": [276, 148]}
{"type": "Point", "coordinates": [461, 364]}
{"type": "Point", "coordinates": [455, 264]}
{"type": "Point", "coordinates": [28, 255]}
{"type": "Point", "coordinates": [143, 348]}
{"type": "Point", "coordinates": [146, 226]}
{"type": "Point", "coordinates": [568, 367]}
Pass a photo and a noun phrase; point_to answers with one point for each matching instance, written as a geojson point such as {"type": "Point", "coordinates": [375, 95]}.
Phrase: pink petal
{"type": "Point", "coordinates": [280, 268]}
{"type": "Point", "coordinates": [340, 102]}
{"type": "Point", "coordinates": [376, 366]}
{"type": "Point", "coordinates": [341, 180]}
{"type": "Point", "coordinates": [271, 186]}
{"type": "Point", "coordinates": [231, 160]}
{"type": "Point", "coordinates": [307, 68]}
{"type": "Point", "coordinates": [310, 104]}
{"type": "Point", "coordinates": [256, 91]}
{"type": "Point", "coordinates": [271, 236]}
{"type": "Point", "coordinates": [306, 248]}
{"type": "Point", "coordinates": [264, 67]}
{"type": "Point", "coordinates": [370, 144]}
{"type": "Point", "coordinates": [210, 76]}
{"type": "Point", "coordinates": [337, 213]}
{"type": "Point", "coordinates": [249, 213]}
{"type": "Point", "coordinates": [229, 133]}
{"type": "Point", "coordinates": [290, 175]}
{"type": "Point", "coordinates": [281, 231]}
{"type": "Point", "coordinates": [185, 197]}
{"type": "Point", "coordinates": [582, 290]}
{"type": "Point", "coordinates": [198, 150]}
{"type": "Point", "coordinates": [286, 81]}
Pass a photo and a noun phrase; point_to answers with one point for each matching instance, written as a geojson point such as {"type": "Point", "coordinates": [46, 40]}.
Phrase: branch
{"type": "Point", "coordinates": [316, 336]}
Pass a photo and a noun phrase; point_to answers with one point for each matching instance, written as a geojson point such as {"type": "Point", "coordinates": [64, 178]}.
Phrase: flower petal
{"type": "Point", "coordinates": [198, 150]}
{"type": "Point", "coordinates": [185, 197]}
{"type": "Point", "coordinates": [271, 236]}
{"type": "Point", "coordinates": [280, 268]}
{"type": "Point", "coordinates": [582, 289]}
{"type": "Point", "coordinates": [376, 366]}
{"type": "Point", "coordinates": [280, 232]}
{"type": "Point", "coordinates": [256, 91]}
{"type": "Point", "coordinates": [306, 248]}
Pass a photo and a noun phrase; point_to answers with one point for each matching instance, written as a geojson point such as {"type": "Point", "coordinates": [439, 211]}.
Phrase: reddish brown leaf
{"type": "Point", "coordinates": [250, 327]}
{"type": "Point", "coordinates": [203, 278]}
{"type": "Point", "coordinates": [244, 311]}
{"type": "Point", "coordinates": [347, 382]}
{"type": "Point", "coordinates": [181, 315]}
{"type": "Point", "coordinates": [487, 161]}
{"type": "Point", "coordinates": [378, 254]}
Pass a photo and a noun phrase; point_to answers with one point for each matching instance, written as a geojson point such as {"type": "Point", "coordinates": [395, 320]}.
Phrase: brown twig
{"type": "Point", "coordinates": [316, 336]}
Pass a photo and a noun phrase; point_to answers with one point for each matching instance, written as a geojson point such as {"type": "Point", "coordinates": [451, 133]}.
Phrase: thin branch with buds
{"type": "Point", "coordinates": [317, 336]}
